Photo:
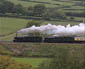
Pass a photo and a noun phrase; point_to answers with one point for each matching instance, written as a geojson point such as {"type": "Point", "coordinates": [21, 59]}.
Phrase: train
{"type": "Point", "coordinates": [38, 39]}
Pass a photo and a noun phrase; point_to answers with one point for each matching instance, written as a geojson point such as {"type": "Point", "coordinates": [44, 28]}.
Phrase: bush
{"type": "Point", "coordinates": [6, 62]}
{"type": "Point", "coordinates": [3, 51]}
{"type": "Point", "coordinates": [66, 59]}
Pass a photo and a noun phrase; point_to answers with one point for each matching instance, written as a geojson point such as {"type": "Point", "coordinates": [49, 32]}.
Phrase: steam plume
{"type": "Point", "coordinates": [56, 30]}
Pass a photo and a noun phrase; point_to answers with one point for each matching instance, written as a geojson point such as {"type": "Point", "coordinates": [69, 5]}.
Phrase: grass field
{"type": "Point", "coordinates": [35, 62]}
{"type": "Point", "coordinates": [8, 25]}
{"type": "Point", "coordinates": [27, 4]}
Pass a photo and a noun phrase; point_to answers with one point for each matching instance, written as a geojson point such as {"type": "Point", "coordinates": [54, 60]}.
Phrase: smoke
{"type": "Point", "coordinates": [56, 30]}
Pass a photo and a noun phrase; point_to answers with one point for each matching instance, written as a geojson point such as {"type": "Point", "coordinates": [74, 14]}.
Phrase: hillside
{"type": "Point", "coordinates": [51, 3]}
{"type": "Point", "coordinates": [66, 5]}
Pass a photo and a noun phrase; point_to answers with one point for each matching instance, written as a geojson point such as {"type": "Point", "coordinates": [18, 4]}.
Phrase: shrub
{"type": "Point", "coordinates": [66, 59]}
{"type": "Point", "coordinates": [6, 62]}
{"type": "Point", "coordinates": [3, 51]}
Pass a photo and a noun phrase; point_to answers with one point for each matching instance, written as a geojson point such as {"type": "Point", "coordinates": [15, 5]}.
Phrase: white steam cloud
{"type": "Point", "coordinates": [56, 30]}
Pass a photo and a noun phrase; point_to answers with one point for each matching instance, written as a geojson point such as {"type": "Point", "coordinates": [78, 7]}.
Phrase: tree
{"type": "Point", "coordinates": [39, 10]}
{"type": "Point", "coordinates": [19, 9]}
{"type": "Point", "coordinates": [6, 7]}
{"type": "Point", "coordinates": [9, 7]}
{"type": "Point", "coordinates": [65, 59]}
{"type": "Point", "coordinates": [2, 0]}
{"type": "Point", "coordinates": [54, 14]}
{"type": "Point", "coordinates": [3, 51]}
{"type": "Point", "coordinates": [30, 11]}
{"type": "Point", "coordinates": [33, 22]}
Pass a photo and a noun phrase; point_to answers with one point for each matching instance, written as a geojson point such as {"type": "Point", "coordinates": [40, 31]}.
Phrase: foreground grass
{"type": "Point", "coordinates": [43, 49]}
{"type": "Point", "coordinates": [35, 62]}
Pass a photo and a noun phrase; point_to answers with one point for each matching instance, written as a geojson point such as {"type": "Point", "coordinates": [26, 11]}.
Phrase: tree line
{"type": "Point", "coordinates": [9, 7]}
{"type": "Point", "coordinates": [39, 10]}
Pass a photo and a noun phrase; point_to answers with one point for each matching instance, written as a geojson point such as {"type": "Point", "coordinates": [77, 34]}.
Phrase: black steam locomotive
{"type": "Point", "coordinates": [50, 39]}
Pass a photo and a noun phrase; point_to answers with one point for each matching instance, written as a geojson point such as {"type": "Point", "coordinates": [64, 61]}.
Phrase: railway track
{"type": "Point", "coordinates": [14, 43]}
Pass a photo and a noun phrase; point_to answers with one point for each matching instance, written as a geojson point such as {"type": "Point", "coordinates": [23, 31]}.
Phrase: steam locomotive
{"type": "Point", "coordinates": [50, 39]}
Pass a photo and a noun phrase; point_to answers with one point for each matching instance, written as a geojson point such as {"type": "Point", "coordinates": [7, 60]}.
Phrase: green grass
{"type": "Point", "coordinates": [24, 3]}
{"type": "Point", "coordinates": [8, 25]}
{"type": "Point", "coordinates": [8, 37]}
{"type": "Point", "coordinates": [80, 19]}
{"type": "Point", "coordinates": [27, 4]}
{"type": "Point", "coordinates": [35, 62]}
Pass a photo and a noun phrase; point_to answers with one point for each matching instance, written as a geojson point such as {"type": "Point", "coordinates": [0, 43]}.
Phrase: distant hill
{"type": "Point", "coordinates": [51, 3]}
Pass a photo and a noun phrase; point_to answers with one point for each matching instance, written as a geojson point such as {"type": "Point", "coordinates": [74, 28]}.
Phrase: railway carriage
{"type": "Point", "coordinates": [50, 39]}
{"type": "Point", "coordinates": [79, 39]}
